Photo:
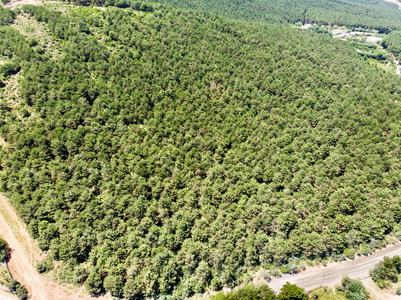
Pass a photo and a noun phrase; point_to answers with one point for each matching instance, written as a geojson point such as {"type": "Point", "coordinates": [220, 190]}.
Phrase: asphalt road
{"type": "Point", "coordinates": [332, 274]}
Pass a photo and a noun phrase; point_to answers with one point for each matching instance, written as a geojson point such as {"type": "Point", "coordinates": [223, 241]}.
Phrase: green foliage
{"type": "Point", "coordinates": [392, 42]}
{"type": "Point", "coordinates": [398, 291]}
{"type": "Point", "coordinates": [353, 289]}
{"type": "Point", "coordinates": [248, 292]}
{"type": "Point", "coordinates": [94, 283]}
{"type": "Point", "coordinates": [324, 293]}
{"type": "Point", "coordinates": [349, 253]}
{"type": "Point", "coordinates": [7, 16]}
{"type": "Point", "coordinates": [367, 13]}
{"type": "Point", "coordinates": [386, 272]}
{"type": "Point", "coordinates": [292, 291]}
{"type": "Point", "coordinates": [19, 290]}
{"type": "Point", "coordinates": [169, 152]}
{"type": "Point", "coordinates": [44, 266]}
{"type": "Point", "coordinates": [4, 250]}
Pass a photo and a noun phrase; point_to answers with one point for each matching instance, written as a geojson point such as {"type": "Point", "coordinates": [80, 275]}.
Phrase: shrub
{"type": "Point", "coordinates": [4, 250]}
{"type": "Point", "coordinates": [398, 291]}
{"type": "Point", "coordinates": [366, 249]}
{"type": "Point", "coordinates": [386, 272]}
{"type": "Point", "coordinates": [292, 291]}
{"type": "Point", "coordinates": [275, 273]}
{"type": "Point", "coordinates": [354, 289]}
{"type": "Point", "coordinates": [349, 253]}
{"type": "Point", "coordinates": [20, 291]}
{"type": "Point", "coordinates": [43, 266]}
{"type": "Point", "coordinates": [266, 276]}
{"type": "Point", "coordinates": [247, 292]}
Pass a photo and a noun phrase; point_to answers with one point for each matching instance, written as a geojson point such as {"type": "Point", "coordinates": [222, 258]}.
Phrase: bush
{"type": "Point", "coordinates": [4, 250]}
{"type": "Point", "coordinates": [248, 278]}
{"type": "Point", "coordinates": [366, 249]}
{"type": "Point", "coordinates": [386, 272]}
{"type": "Point", "coordinates": [349, 253]}
{"type": "Point", "coordinates": [275, 273]}
{"type": "Point", "coordinates": [248, 292]}
{"type": "Point", "coordinates": [398, 291]}
{"type": "Point", "coordinates": [43, 266]}
{"type": "Point", "coordinates": [293, 292]}
{"type": "Point", "coordinates": [18, 289]}
{"type": "Point", "coordinates": [354, 289]}
{"type": "Point", "coordinates": [266, 276]}
{"type": "Point", "coordinates": [21, 292]}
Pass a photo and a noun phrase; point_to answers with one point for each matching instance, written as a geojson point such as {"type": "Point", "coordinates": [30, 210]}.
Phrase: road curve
{"type": "Point", "coordinates": [332, 274]}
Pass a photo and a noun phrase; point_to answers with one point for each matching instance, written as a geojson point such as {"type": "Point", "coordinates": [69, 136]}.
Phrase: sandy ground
{"type": "Point", "coordinates": [14, 4]}
{"type": "Point", "coordinates": [332, 274]}
{"type": "Point", "coordinates": [24, 255]}
{"type": "Point", "coordinates": [7, 296]}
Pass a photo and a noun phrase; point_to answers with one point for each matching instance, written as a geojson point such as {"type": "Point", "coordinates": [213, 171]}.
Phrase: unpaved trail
{"type": "Point", "coordinates": [23, 257]}
{"type": "Point", "coordinates": [15, 4]}
{"type": "Point", "coordinates": [7, 296]}
{"type": "Point", "coordinates": [332, 274]}
{"type": "Point", "coordinates": [20, 265]}
{"type": "Point", "coordinates": [398, 66]}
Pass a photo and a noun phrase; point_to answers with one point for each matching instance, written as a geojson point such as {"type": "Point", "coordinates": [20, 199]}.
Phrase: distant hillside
{"type": "Point", "coordinates": [375, 14]}
{"type": "Point", "coordinates": [164, 152]}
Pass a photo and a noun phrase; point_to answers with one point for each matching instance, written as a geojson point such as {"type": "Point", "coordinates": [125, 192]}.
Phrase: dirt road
{"type": "Point", "coordinates": [24, 255]}
{"type": "Point", "coordinates": [332, 274]}
{"type": "Point", "coordinates": [7, 296]}
{"type": "Point", "coordinates": [19, 3]}
{"type": "Point", "coordinates": [398, 66]}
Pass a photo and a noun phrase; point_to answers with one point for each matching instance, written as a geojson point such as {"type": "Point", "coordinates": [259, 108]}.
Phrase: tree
{"type": "Point", "coordinates": [94, 283]}
{"type": "Point", "coordinates": [4, 249]}
{"type": "Point", "coordinates": [293, 292]}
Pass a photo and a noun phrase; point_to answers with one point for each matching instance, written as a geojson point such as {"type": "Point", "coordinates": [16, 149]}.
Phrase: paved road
{"type": "Point", "coordinates": [332, 274]}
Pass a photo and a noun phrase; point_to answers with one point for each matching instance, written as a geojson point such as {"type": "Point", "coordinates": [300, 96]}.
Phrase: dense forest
{"type": "Point", "coordinates": [392, 42]}
{"type": "Point", "coordinates": [163, 152]}
{"type": "Point", "coordinates": [375, 14]}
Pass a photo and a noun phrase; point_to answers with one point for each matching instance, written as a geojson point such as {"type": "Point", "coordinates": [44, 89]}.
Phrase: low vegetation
{"type": "Point", "coordinates": [18, 289]}
{"type": "Point", "coordinates": [352, 289]}
{"type": "Point", "coordinates": [392, 42]}
{"type": "Point", "coordinates": [373, 14]}
{"type": "Point", "coordinates": [326, 293]}
{"type": "Point", "coordinates": [263, 292]}
{"type": "Point", "coordinates": [4, 250]}
{"type": "Point", "coordinates": [387, 271]}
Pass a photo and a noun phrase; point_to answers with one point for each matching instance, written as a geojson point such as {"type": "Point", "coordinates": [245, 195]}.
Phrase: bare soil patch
{"type": "Point", "coordinates": [15, 4]}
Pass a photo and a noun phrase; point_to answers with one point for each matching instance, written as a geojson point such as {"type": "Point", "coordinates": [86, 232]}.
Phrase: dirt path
{"type": "Point", "coordinates": [332, 274]}
{"type": "Point", "coordinates": [24, 255]}
{"type": "Point", "coordinates": [7, 296]}
{"type": "Point", "coordinates": [20, 263]}
{"type": "Point", "coordinates": [15, 4]}
{"type": "Point", "coordinates": [398, 66]}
